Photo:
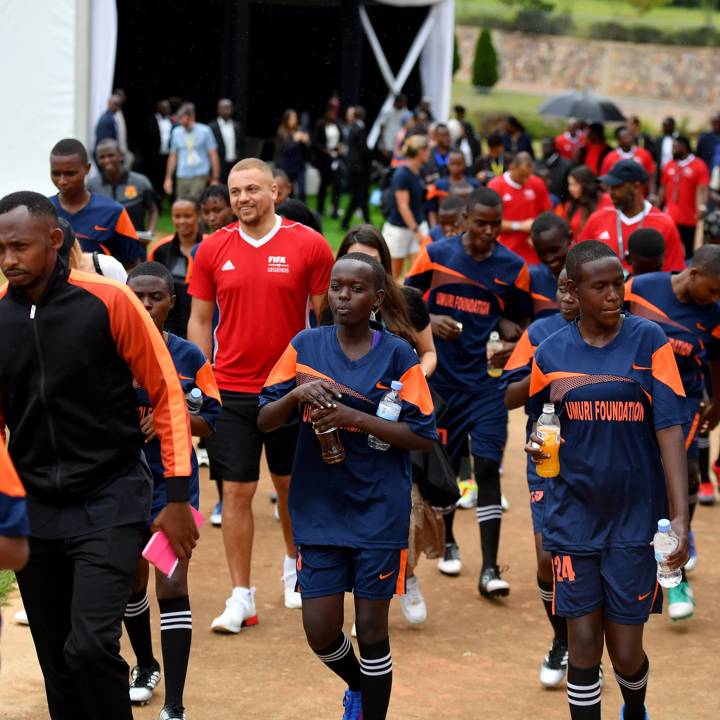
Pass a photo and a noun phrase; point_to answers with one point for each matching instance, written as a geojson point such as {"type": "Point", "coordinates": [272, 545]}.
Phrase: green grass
{"type": "Point", "coordinates": [7, 585]}
{"type": "Point", "coordinates": [587, 12]}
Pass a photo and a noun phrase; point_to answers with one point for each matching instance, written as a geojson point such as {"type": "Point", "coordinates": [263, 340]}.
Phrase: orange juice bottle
{"type": "Point", "coordinates": [548, 430]}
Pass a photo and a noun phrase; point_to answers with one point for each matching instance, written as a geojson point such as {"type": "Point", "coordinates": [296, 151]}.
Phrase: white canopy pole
{"type": "Point", "coordinates": [437, 59]}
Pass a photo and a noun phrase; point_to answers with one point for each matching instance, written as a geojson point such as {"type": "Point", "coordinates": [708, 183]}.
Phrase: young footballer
{"type": "Point", "coordinates": [617, 391]}
{"type": "Point", "coordinates": [517, 376]}
{"type": "Point", "coordinates": [153, 285]}
{"type": "Point", "coordinates": [350, 519]}
{"type": "Point", "coordinates": [685, 305]}
{"type": "Point", "coordinates": [550, 237]}
{"type": "Point", "coordinates": [14, 523]}
{"type": "Point", "coordinates": [646, 251]}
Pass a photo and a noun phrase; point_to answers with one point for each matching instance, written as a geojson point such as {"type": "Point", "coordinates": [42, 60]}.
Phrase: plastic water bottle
{"type": "Point", "coordinates": [194, 400]}
{"type": "Point", "coordinates": [494, 345]}
{"type": "Point", "coordinates": [665, 543]}
{"type": "Point", "coordinates": [388, 409]}
{"type": "Point", "coordinates": [548, 430]}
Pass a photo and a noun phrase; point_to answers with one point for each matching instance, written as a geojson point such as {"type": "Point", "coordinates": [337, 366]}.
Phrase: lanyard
{"type": "Point", "coordinates": [498, 168]}
{"type": "Point", "coordinates": [620, 240]}
{"type": "Point", "coordinates": [190, 140]}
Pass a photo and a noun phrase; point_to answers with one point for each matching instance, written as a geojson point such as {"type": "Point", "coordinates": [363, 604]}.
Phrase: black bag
{"type": "Point", "coordinates": [435, 477]}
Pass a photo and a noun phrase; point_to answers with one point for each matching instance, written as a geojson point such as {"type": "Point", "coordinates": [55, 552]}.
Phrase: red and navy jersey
{"type": "Point", "coordinates": [543, 290]}
{"type": "Point", "coordinates": [611, 401]}
{"type": "Point", "coordinates": [693, 330]}
{"type": "Point", "coordinates": [194, 371]}
{"type": "Point", "coordinates": [13, 510]}
{"type": "Point", "coordinates": [476, 294]}
{"type": "Point", "coordinates": [104, 226]}
{"type": "Point", "coordinates": [364, 501]}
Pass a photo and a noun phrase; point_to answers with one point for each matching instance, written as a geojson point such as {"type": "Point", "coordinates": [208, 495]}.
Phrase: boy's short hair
{"type": "Point", "coordinates": [548, 221]}
{"type": "Point", "coordinates": [707, 259]}
{"type": "Point", "coordinates": [70, 146]}
{"type": "Point", "coordinates": [584, 253]}
{"type": "Point", "coordinates": [452, 203]}
{"type": "Point", "coordinates": [154, 269]}
{"type": "Point", "coordinates": [483, 196]}
{"type": "Point", "coordinates": [646, 243]}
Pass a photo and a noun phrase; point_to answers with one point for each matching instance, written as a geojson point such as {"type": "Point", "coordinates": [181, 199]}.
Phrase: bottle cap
{"type": "Point", "coordinates": [196, 393]}
{"type": "Point", "coordinates": [396, 385]}
{"type": "Point", "coordinates": [548, 408]}
{"type": "Point", "coordinates": [494, 336]}
{"type": "Point", "coordinates": [664, 525]}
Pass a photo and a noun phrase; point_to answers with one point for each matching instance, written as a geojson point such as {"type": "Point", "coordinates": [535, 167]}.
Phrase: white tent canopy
{"type": "Point", "coordinates": [58, 60]}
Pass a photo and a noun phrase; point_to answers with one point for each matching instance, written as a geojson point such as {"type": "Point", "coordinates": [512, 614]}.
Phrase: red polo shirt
{"type": "Point", "coordinates": [681, 180]}
{"type": "Point", "coordinates": [567, 145]}
{"type": "Point", "coordinates": [637, 154]}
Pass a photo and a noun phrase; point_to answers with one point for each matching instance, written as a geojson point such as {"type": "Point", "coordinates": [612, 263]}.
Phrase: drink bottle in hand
{"type": "Point", "coordinates": [548, 430]}
{"type": "Point", "coordinates": [494, 345]}
{"type": "Point", "coordinates": [388, 409]}
{"type": "Point", "coordinates": [665, 543]}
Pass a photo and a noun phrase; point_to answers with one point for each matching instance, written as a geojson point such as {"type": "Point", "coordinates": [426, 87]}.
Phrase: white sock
{"type": "Point", "coordinates": [243, 593]}
{"type": "Point", "coordinates": [289, 565]}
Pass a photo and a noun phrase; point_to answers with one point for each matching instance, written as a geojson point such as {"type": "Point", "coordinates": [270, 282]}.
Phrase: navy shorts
{"type": "Point", "coordinates": [481, 414]}
{"type": "Point", "coordinates": [159, 499]}
{"type": "Point", "coordinates": [621, 581]}
{"type": "Point", "coordinates": [537, 508]}
{"type": "Point", "coordinates": [690, 429]}
{"type": "Point", "coordinates": [376, 574]}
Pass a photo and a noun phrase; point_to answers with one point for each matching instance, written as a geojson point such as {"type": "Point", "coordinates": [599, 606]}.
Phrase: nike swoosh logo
{"type": "Point", "coordinates": [184, 377]}
{"type": "Point", "coordinates": [640, 367]}
{"type": "Point", "coordinates": [386, 575]}
{"type": "Point", "coordinates": [380, 386]}
{"type": "Point", "coordinates": [100, 228]}
{"type": "Point", "coordinates": [643, 597]}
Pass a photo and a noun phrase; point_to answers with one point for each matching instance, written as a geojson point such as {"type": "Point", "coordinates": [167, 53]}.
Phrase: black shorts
{"type": "Point", "coordinates": [237, 443]}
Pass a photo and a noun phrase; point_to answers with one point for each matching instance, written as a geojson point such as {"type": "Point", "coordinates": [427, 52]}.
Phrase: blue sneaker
{"type": "Point", "coordinates": [692, 560]}
{"type": "Point", "coordinates": [622, 713]}
{"type": "Point", "coordinates": [352, 702]}
{"type": "Point", "coordinates": [216, 515]}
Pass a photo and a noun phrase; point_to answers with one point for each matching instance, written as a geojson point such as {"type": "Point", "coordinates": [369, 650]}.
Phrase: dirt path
{"type": "Point", "coordinates": [472, 658]}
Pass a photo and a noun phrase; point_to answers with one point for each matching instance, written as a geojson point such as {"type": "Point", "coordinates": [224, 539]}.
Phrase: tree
{"type": "Point", "coordinates": [456, 56]}
{"type": "Point", "coordinates": [485, 62]}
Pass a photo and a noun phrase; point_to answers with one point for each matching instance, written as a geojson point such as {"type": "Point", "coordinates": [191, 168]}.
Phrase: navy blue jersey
{"type": "Point", "coordinates": [194, 371]}
{"type": "Point", "coordinates": [363, 502]}
{"type": "Point", "coordinates": [611, 401]}
{"type": "Point", "coordinates": [693, 330]}
{"type": "Point", "coordinates": [476, 294]}
{"type": "Point", "coordinates": [543, 289]}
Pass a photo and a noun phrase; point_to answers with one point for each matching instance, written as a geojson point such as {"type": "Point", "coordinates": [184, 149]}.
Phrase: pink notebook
{"type": "Point", "coordinates": [159, 551]}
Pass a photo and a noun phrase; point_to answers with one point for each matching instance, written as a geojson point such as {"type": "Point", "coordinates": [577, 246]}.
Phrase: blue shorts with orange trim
{"type": "Point", "coordinates": [537, 508]}
{"type": "Point", "coordinates": [375, 574]}
{"type": "Point", "coordinates": [621, 581]}
{"type": "Point", "coordinates": [690, 429]}
{"type": "Point", "coordinates": [481, 414]}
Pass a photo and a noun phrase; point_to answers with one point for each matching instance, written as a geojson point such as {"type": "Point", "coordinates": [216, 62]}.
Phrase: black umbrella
{"type": "Point", "coordinates": [584, 106]}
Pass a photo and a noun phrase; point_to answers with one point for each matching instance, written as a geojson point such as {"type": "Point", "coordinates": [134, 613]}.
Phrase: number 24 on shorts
{"type": "Point", "coordinates": [563, 568]}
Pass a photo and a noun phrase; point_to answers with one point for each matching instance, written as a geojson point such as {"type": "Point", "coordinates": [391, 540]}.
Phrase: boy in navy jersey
{"type": "Point", "coordinates": [617, 391]}
{"type": "Point", "coordinates": [350, 519]}
{"type": "Point", "coordinates": [646, 251]}
{"type": "Point", "coordinates": [550, 237]}
{"type": "Point", "coordinates": [685, 305]}
{"type": "Point", "coordinates": [153, 284]}
{"type": "Point", "coordinates": [470, 283]}
{"type": "Point", "coordinates": [517, 377]}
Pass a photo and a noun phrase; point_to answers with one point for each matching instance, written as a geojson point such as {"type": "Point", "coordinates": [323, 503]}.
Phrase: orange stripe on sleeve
{"type": "Point", "coordinates": [631, 297]}
{"type": "Point", "coordinates": [301, 369]}
{"type": "Point", "coordinates": [124, 225]}
{"type": "Point", "coordinates": [415, 389]}
{"type": "Point", "coordinates": [10, 484]}
{"type": "Point", "coordinates": [142, 347]}
{"type": "Point", "coordinates": [285, 368]}
{"type": "Point", "coordinates": [522, 281]}
{"type": "Point", "coordinates": [693, 429]}
{"type": "Point", "coordinates": [539, 380]}
{"type": "Point", "coordinates": [522, 354]}
{"type": "Point", "coordinates": [665, 369]}
{"type": "Point", "coordinates": [205, 380]}
{"type": "Point", "coordinates": [422, 263]}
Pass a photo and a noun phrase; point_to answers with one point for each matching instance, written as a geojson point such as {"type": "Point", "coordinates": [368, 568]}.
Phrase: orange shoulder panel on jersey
{"type": "Point", "coordinates": [162, 241]}
{"type": "Point", "coordinates": [632, 297]}
{"type": "Point", "coordinates": [205, 380]}
{"type": "Point", "coordinates": [522, 280]}
{"type": "Point", "coordinates": [10, 484]}
{"type": "Point", "coordinates": [124, 225]}
{"type": "Point", "coordinates": [312, 372]}
{"type": "Point", "coordinates": [715, 331]}
{"type": "Point", "coordinates": [522, 354]}
{"type": "Point", "coordinates": [422, 263]}
{"type": "Point", "coordinates": [665, 369]}
{"type": "Point", "coordinates": [539, 380]}
{"type": "Point", "coordinates": [415, 389]}
{"type": "Point", "coordinates": [142, 347]}
{"type": "Point", "coordinates": [285, 368]}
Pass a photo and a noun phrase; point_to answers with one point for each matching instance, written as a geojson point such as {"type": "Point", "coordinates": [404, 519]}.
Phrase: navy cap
{"type": "Point", "coordinates": [624, 171]}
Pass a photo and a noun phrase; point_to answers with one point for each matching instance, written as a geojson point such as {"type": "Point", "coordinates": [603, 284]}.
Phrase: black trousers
{"type": "Point", "coordinates": [75, 591]}
{"type": "Point", "coordinates": [358, 198]}
{"type": "Point", "coordinates": [329, 179]}
{"type": "Point", "coordinates": [687, 235]}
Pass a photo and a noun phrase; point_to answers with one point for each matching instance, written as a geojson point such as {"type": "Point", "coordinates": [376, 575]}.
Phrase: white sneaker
{"type": "Point", "coordinates": [239, 612]}
{"type": "Point", "coordinates": [216, 515]}
{"type": "Point", "coordinates": [450, 563]}
{"type": "Point", "coordinates": [504, 503]}
{"type": "Point", "coordinates": [413, 603]}
{"type": "Point", "coordinates": [21, 618]}
{"type": "Point", "coordinates": [293, 599]}
{"type": "Point", "coordinates": [468, 494]}
{"type": "Point", "coordinates": [202, 457]}
{"type": "Point", "coordinates": [554, 666]}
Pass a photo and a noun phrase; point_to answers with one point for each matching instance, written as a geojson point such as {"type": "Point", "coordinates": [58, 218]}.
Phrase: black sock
{"type": "Point", "coordinates": [340, 658]}
{"type": "Point", "coordinates": [489, 509]}
{"type": "Point", "coordinates": [583, 692]}
{"type": "Point", "coordinates": [704, 457]}
{"type": "Point", "coordinates": [175, 636]}
{"type": "Point", "coordinates": [559, 624]}
{"type": "Point", "coordinates": [633, 688]}
{"type": "Point", "coordinates": [448, 520]}
{"type": "Point", "coordinates": [219, 487]}
{"type": "Point", "coordinates": [137, 624]}
{"type": "Point", "coordinates": [375, 679]}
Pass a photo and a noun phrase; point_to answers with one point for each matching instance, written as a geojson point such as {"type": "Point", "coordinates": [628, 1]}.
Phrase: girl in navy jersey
{"type": "Point", "coordinates": [350, 519]}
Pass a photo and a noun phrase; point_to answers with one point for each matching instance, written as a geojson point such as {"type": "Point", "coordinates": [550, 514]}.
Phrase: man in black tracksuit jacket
{"type": "Point", "coordinates": [70, 345]}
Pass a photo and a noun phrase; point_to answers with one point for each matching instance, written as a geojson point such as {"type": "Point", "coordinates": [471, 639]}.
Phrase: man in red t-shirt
{"type": "Point", "coordinates": [684, 191]}
{"type": "Point", "coordinates": [263, 273]}
{"type": "Point", "coordinates": [627, 150]}
{"type": "Point", "coordinates": [569, 143]}
{"type": "Point", "coordinates": [524, 197]}
{"type": "Point", "coordinates": [613, 225]}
